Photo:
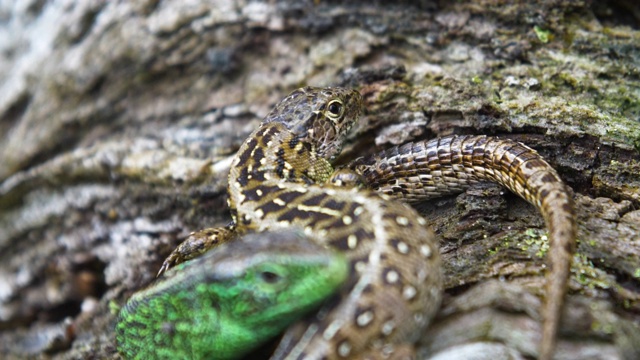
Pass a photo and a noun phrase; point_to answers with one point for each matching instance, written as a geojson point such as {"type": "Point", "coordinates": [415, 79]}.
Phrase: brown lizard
{"type": "Point", "coordinates": [277, 180]}
{"type": "Point", "coordinates": [424, 170]}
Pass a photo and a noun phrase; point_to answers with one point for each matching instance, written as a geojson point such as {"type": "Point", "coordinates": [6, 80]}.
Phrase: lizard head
{"type": "Point", "coordinates": [321, 117]}
{"type": "Point", "coordinates": [230, 300]}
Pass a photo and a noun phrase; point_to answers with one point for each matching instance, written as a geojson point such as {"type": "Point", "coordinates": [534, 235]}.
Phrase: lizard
{"type": "Point", "coordinates": [422, 170]}
{"type": "Point", "coordinates": [277, 179]}
{"type": "Point", "coordinates": [254, 286]}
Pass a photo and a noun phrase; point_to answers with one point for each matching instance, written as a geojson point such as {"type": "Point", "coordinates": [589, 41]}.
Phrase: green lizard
{"type": "Point", "coordinates": [277, 180]}
{"type": "Point", "coordinates": [224, 303]}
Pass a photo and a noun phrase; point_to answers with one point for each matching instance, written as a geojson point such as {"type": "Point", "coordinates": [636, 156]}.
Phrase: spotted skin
{"type": "Point", "coordinates": [276, 182]}
{"type": "Point", "coordinates": [423, 170]}
{"type": "Point", "coordinates": [282, 176]}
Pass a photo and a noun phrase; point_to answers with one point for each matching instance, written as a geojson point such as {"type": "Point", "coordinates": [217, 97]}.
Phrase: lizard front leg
{"type": "Point", "coordinates": [196, 244]}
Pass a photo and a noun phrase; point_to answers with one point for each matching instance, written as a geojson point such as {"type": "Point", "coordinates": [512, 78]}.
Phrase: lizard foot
{"type": "Point", "coordinates": [196, 244]}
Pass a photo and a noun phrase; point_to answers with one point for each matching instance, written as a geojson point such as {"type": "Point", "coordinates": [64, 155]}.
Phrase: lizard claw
{"type": "Point", "coordinates": [168, 263]}
{"type": "Point", "coordinates": [196, 244]}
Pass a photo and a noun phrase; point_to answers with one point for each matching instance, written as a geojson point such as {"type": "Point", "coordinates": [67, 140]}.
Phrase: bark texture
{"type": "Point", "coordinates": [118, 121]}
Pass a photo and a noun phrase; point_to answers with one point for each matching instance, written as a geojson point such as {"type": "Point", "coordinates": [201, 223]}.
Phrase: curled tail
{"type": "Point", "coordinates": [427, 169]}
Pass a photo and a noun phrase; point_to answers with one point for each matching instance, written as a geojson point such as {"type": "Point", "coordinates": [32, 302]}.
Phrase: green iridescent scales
{"type": "Point", "coordinates": [226, 302]}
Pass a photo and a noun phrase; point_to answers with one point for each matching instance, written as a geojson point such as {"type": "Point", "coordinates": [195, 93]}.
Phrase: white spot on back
{"type": "Point", "coordinates": [401, 220]}
{"type": "Point", "coordinates": [408, 292]}
{"type": "Point", "coordinates": [347, 220]}
{"type": "Point", "coordinates": [387, 350]}
{"type": "Point", "coordinates": [352, 241]}
{"type": "Point", "coordinates": [364, 319]}
{"type": "Point", "coordinates": [435, 292]}
{"type": "Point", "coordinates": [387, 327]}
{"type": "Point", "coordinates": [403, 248]}
{"type": "Point", "coordinates": [392, 276]}
{"type": "Point", "coordinates": [422, 274]}
{"type": "Point", "coordinates": [425, 250]}
{"type": "Point", "coordinates": [279, 201]}
{"type": "Point", "coordinates": [344, 349]}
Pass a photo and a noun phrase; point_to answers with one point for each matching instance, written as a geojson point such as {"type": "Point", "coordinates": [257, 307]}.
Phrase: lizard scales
{"type": "Point", "coordinates": [415, 172]}
{"type": "Point", "coordinates": [423, 170]}
{"type": "Point", "coordinates": [273, 184]}
{"type": "Point", "coordinates": [219, 313]}
{"type": "Point", "coordinates": [279, 179]}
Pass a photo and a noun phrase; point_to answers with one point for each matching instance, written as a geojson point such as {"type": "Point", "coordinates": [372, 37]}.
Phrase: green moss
{"type": "Point", "coordinates": [535, 240]}
{"type": "Point", "coordinates": [577, 94]}
{"type": "Point", "coordinates": [114, 307]}
{"type": "Point", "coordinates": [601, 327]}
{"type": "Point", "coordinates": [543, 35]}
{"type": "Point", "coordinates": [588, 275]}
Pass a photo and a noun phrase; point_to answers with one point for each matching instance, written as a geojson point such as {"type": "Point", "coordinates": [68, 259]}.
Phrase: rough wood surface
{"type": "Point", "coordinates": [118, 120]}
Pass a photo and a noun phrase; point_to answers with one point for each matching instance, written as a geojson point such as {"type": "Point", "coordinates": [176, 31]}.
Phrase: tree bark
{"type": "Point", "coordinates": [118, 121]}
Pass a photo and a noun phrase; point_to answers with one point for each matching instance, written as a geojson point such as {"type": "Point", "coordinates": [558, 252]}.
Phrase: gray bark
{"type": "Point", "coordinates": [118, 121]}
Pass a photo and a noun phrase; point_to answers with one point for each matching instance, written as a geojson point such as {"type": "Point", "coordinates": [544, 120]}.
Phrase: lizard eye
{"type": "Point", "coordinates": [269, 277]}
{"type": "Point", "coordinates": [335, 109]}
